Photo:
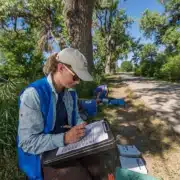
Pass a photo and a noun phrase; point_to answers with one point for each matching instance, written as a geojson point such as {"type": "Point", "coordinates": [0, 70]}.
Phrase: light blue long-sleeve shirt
{"type": "Point", "coordinates": [31, 123]}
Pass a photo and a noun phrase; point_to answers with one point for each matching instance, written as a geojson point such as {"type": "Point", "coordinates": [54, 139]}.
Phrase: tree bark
{"type": "Point", "coordinates": [113, 67]}
{"type": "Point", "coordinates": [108, 54]}
{"type": "Point", "coordinates": [108, 64]}
{"type": "Point", "coordinates": [78, 18]}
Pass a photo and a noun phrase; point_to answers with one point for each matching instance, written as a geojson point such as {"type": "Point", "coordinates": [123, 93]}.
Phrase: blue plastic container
{"type": "Point", "coordinates": [89, 106]}
{"type": "Point", "coordinates": [118, 102]}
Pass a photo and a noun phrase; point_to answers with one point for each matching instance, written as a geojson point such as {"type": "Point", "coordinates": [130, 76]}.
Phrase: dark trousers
{"type": "Point", "coordinates": [87, 168]}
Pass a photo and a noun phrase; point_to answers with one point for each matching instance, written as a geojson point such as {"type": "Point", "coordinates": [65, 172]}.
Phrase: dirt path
{"type": "Point", "coordinates": [162, 97]}
{"type": "Point", "coordinates": [140, 125]}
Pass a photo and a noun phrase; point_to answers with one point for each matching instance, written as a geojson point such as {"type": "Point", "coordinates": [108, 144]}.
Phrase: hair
{"type": "Point", "coordinates": [50, 65]}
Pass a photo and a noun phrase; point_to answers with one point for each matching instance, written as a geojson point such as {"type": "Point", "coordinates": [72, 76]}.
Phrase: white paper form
{"type": "Point", "coordinates": [94, 134]}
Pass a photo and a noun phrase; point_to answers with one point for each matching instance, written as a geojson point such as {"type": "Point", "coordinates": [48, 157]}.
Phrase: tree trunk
{"type": "Point", "coordinates": [78, 18]}
{"type": "Point", "coordinates": [113, 67]}
{"type": "Point", "coordinates": [108, 64]}
{"type": "Point", "coordinates": [108, 54]}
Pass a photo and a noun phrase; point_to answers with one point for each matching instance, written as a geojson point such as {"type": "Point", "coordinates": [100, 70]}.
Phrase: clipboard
{"type": "Point", "coordinates": [49, 158]}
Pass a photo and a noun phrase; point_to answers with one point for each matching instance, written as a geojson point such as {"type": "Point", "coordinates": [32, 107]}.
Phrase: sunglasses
{"type": "Point", "coordinates": [75, 77]}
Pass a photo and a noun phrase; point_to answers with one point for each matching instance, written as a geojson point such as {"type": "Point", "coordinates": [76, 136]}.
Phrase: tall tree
{"type": "Point", "coordinates": [111, 39]}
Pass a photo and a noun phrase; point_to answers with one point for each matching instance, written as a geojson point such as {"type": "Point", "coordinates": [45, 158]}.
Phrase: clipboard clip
{"type": "Point", "coordinates": [106, 126]}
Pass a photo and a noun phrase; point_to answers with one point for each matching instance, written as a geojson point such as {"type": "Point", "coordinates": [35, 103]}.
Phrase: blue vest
{"type": "Point", "coordinates": [30, 164]}
{"type": "Point", "coordinates": [103, 90]}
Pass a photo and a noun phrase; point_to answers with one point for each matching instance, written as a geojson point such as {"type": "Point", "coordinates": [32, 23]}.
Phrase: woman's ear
{"type": "Point", "coordinates": [59, 67]}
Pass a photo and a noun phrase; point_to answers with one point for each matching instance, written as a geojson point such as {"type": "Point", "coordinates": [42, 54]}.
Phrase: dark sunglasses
{"type": "Point", "coordinates": [75, 77]}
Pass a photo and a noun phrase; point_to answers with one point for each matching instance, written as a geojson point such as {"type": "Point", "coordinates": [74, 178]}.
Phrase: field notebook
{"type": "Point", "coordinates": [133, 164]}
{"type": "Point", "coordinates": [98, 138]}
{"type": "Point", "coordinates": [128, 150]}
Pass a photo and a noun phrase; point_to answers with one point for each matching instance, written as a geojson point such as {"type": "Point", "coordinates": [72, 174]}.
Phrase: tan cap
{"type": "Point", "coordinates": [77, 61]}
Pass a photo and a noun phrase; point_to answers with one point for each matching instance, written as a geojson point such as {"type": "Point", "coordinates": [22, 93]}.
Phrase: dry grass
{"type": "Point", "coordinates": [139, 125]}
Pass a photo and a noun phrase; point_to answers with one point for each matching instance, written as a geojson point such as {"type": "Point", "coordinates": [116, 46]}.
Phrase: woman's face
{"type": "Point", "coordinates": [66, 76]}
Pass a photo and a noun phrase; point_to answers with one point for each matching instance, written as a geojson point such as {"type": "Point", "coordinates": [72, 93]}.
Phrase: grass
{"type": "Point", "coordinates": [8, 131]}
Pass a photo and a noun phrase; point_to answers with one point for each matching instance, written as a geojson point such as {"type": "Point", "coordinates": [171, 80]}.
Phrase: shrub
{"type": "Point", "coordinates": [85, 89]}
{"type": "Point", "coordinates": [171, 70]}
{"type": "Point", "coordinates": [147, 68]}
{"type": "Point", "coordinates": [137, 71]}
{"type": "Point", "coordinates": [126, 66]}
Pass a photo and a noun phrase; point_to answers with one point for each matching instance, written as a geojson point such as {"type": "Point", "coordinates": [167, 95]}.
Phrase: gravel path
{"type": "Point", "coordinates": [162, 97]}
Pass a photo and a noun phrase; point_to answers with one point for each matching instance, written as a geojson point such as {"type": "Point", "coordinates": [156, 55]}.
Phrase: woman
{"type": "Point", "coordinates": [46, 109]}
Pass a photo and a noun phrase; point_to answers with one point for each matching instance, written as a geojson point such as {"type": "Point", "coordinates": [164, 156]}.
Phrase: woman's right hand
{"type": "Point", "coordinates": [74, 134]}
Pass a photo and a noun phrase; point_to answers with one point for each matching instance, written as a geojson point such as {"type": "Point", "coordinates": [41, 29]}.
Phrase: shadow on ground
{"type": "Point", "coordinates": [161, 96]}
{"type": "Point", "coordinates": [137, 124]}
{"type": "Point", "coordinates": [145, 128]}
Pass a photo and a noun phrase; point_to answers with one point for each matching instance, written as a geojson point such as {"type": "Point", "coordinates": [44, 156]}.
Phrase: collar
{"type": "Point", "coordinates": [49, 79]}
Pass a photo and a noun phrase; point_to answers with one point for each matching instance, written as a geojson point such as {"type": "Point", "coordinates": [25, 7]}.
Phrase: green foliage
{"type": "Point", "coordinates": [137, 71]}
{"type": "Point", "coordinates": [19, 55]}
{"type": "Point", "coordinates": [151, 23]}
{"type": "Point", "coordinates": [172, 39]}
{"type": "Point", "coordinates": [22, 28]}
{"type": "Point", "coordinates": [126, 66]}
{"type": "Point", "coordinates": [148, 52]}
{"type": "Point", "coordinates": [161, 59]}
{"type": "Point", "coordinates": [150, 62]}
{"type": "Point", "coordinates": [136, 49]}
{"type": "Point", "coordinates": [85, 89]}
{"type": "Point", "coordinates": [21, 63]}
{"type": "Point", "coordinates": [171, 70]}
{"type": "Point", "coordinates": [164, 28]}
{"type": "Point", "coordinates": [147, 68]}
{"type": "Point", "coordinates": [45, 16]}
{"type": "Point", "coordinates": [110, 35]}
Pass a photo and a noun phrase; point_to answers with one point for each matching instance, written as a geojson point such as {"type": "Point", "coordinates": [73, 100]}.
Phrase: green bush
{"type": "Point", "coordinates": [151, 68]}
{"type": "Point", "coordinates": [160, 61]}
{"type": "Point", "coordinates": [85, 89]}
{"type": "Point", "coordinates": [147, 68]}
{"type": "Point", "coordinates": [126, 66]}
{"type": "Point", "coordinates": [137, 71]}
{"type": "Point", "coordinates": [171, 70]}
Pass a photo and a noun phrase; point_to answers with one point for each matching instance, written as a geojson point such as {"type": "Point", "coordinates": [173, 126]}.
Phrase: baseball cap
{"type": "Point", "coordinates": [77, 61]}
